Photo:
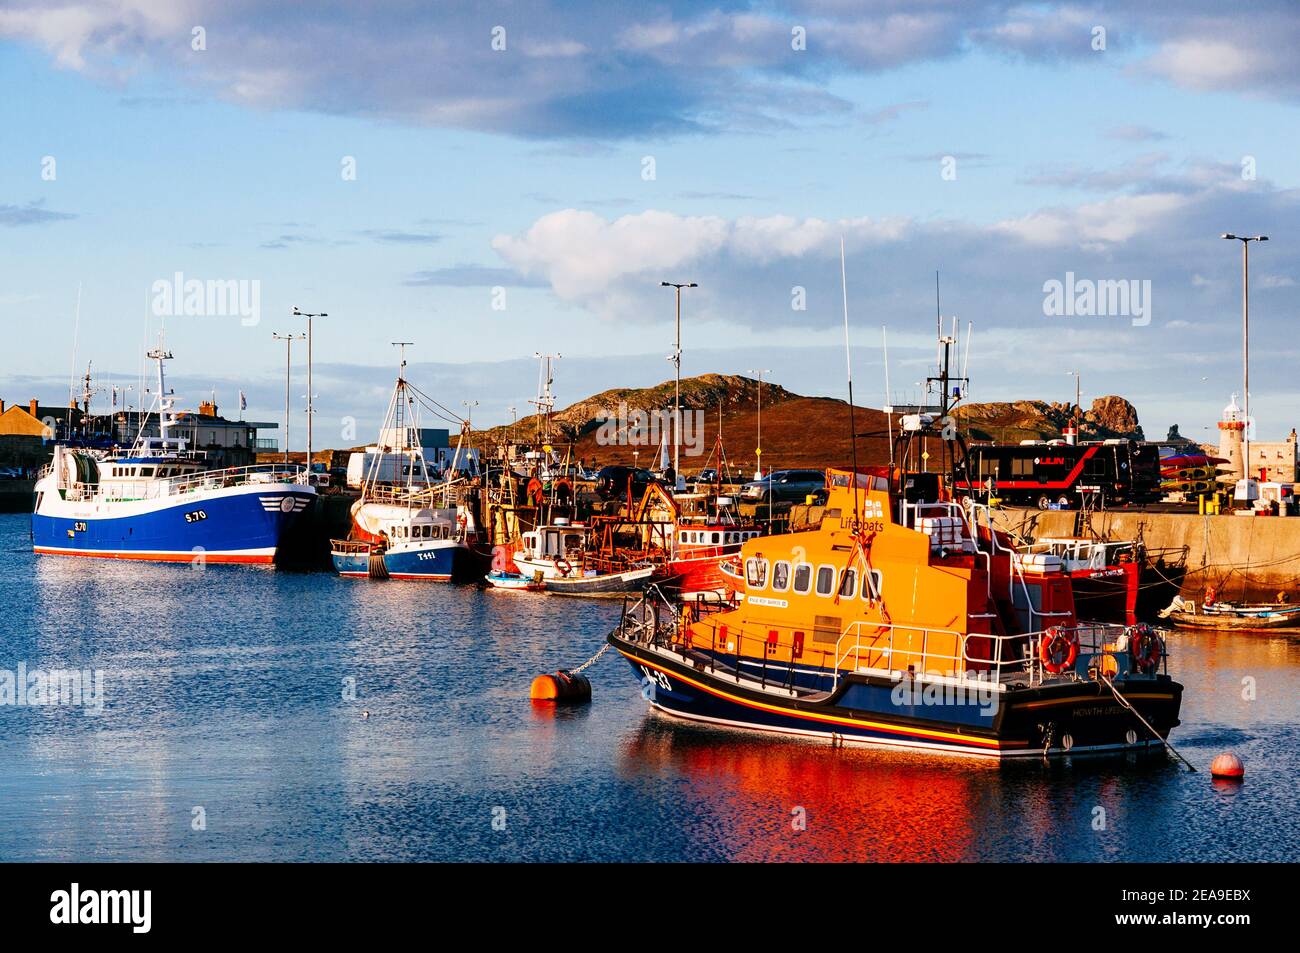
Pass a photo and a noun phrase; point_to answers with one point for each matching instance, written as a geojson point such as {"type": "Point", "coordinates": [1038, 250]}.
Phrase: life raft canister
{"type": "Point", "coordinates": [1058, 650]}
{"type": "Point", "coordinates": [1145, 646]}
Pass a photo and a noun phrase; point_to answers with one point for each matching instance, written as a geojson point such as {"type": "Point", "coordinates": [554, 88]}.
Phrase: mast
{"type": "Point", "coordinates": [545, 401]}
{"type": "Point", "coordinates": [848, 362]}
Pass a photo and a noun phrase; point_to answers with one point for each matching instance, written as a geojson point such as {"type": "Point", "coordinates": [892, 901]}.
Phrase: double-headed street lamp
{"type": "Point", "coordinates": [310, 395]}
{"type": "Point", "coordinates": [288, 340]}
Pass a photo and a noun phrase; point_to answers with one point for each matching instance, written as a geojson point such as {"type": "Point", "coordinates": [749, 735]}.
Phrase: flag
{"type": "Point", "coordinates": [243, 401]}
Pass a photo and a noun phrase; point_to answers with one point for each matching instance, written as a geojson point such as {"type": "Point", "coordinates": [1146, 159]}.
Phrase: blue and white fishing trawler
{"type": "Point", "coordinates": [156, 501]}
{"type": "Point", "coordinates": [398, 529]}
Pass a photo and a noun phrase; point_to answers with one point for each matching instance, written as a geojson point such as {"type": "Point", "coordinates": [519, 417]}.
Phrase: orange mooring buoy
{"type": "Point", "coordinates": [563, 686]}
{"type": "Point", "coordinates": [1227, 765]}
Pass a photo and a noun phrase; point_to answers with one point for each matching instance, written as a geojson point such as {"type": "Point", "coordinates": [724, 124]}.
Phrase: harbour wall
{"type": "Point", "coordinates": [1243, 557]}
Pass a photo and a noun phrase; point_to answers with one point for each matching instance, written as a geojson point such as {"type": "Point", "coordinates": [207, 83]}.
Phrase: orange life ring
{"type": "Point", "coordinates": [1145, 647]}
{"type": "Point", "coordinates": [1057, 650]}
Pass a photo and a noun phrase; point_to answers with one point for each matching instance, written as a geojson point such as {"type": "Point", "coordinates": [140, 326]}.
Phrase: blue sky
{"type": "Point", "coordinates": [523, 169]}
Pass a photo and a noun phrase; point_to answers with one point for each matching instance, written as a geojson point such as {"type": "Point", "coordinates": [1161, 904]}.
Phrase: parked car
{"type": "Point", "coordinates": [784, 486]}
{"type": "Point", "coordinates": [612, 482]}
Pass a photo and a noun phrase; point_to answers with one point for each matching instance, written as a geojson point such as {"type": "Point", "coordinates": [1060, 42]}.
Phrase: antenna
{"type": "Point", "coordinates": [848, 363]}
{"type": "Point", "coordinates": [889, 404]}
{"type": "Point", "coordinates": [938, 321]}
{"type": "Point", "coordinates": [76, 333]}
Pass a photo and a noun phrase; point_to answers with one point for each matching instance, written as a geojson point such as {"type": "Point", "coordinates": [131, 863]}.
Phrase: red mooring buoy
{"type": "Point", "coordinates": [561, 687]}
{"type": "Point", "coordinates": [1227, 765]}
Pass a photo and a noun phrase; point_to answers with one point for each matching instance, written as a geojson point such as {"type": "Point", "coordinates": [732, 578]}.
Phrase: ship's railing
{"type": "Point", "coordinates": [269, 474]}
{"type": "Point", "coordinates": [656, 620]}
{"type": "Point", "coordinates": [443, 494]}
{"type": "Point", "coordinates": [351, 546]}
{"type": "Point", "coordinates": [981, 655]}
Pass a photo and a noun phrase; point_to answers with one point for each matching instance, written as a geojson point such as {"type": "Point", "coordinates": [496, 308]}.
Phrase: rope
{"type": "Point", "coordinates": [1125, 702]}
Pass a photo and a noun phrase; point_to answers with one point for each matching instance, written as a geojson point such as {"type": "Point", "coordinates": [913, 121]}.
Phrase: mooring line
{"type": "Point", "coordinates": [1164, 741]}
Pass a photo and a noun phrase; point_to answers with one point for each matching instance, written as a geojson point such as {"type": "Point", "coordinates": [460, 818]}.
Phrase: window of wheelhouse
{"type": "Point", "coordinates": [780, 576]}
{"type": "Point", "coordinates": [756, 572]}
{"type": "Point", "coordinates": [848, 583]}
{"type": "Point", "coordinates": [825, 580]}
{"type": "Point", "coordinates": [871, 585]}
{"type": "Point", "coordinates": [802, 577]}
{"type": "Point", "coordinates": [717, 538]}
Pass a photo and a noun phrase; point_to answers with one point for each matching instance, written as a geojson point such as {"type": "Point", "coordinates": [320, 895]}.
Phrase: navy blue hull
{"type": "Point", "coordinates": [243, 527]}
{"type": "Point", "coordinates": [440, 563]}
{"type": "Point", "coordinates": [1052, 719]}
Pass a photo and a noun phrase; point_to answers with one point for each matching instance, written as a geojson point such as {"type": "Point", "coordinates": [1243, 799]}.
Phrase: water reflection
{"type": "Point", "coordinates": [228, 689]}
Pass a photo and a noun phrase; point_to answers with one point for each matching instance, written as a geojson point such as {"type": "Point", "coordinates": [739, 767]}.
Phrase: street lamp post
{"type": "Point", "coordinates": [758, 452]}
{"type": "Point", "coordinates": [1245, 489]}
{"type": "Point", "coordinates": [677, 401]}
{"type": "Point", "coordinates": [288, 340]}
{"type": "Point", "coordinates": [310, 395]}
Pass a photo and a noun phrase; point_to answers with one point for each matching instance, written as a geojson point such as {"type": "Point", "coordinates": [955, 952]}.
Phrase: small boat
{"type": "Point", "coordinates": [415, 541]}
{"type": "Point", "coordinates": [558, 554]}
{"type": "Point", "coordinates": [514, 581]}
{"type": "Point", "coordinates": [1230, 615]}
{"type": "Point", "coordinates": [594, 583]}
{"type": "Point", "coordinates": [399, 531]}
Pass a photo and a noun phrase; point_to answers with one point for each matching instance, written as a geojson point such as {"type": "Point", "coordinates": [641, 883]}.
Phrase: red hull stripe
{"type": "Point", "coordinates": [255, 559]}
{"type": "Point", "coordinates": [1034, 484]}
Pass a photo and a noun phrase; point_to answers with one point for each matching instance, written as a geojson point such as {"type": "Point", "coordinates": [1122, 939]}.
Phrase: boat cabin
{"type": "Point", "coordinates": [912, 582]}
{"type": "Point", "coordinates": [555, 541]}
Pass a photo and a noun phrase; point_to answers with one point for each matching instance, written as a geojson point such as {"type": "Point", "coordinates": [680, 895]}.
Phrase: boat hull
{"type": "Point", "coordinates": [610, 585]}
{"type": "Point", "coordinates": [1108, 595]}
{"type": "Point", "coordinates": [436, 563]}
{"type": "Point", "coordinates": [1225, 621]}
{"type": "Point", "coordinates": [240, 525]}
{"type": "Point", "coordinates": [1053, 720]}
{"type": "Point", "coordinates": [514, 582]}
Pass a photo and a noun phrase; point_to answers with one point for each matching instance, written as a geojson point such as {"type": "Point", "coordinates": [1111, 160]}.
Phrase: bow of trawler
{"type": "Point", "coordinates": [905, 619]}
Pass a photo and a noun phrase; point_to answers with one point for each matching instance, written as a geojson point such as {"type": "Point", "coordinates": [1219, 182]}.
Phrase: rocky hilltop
{"type": "Point", "coordinates": [797, 431]}
{"type": "Point", "coordinates": [1109, 417]}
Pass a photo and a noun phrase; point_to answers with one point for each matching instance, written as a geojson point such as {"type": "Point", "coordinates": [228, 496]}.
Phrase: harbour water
{"type": "Point", "coordinates": [226, 734]}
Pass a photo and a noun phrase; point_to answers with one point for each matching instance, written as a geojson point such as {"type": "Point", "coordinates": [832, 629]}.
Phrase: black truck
{"type": "Point", "coordinates": [1061, 475]}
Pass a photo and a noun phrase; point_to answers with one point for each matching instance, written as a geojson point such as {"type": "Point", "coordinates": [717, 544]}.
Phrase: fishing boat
{"type": "Point", "coordinates": [158, 501]}
{"type": "Point", "coordinates": [1105, 575]}
{"type": "Point", "coordinates": [399, 530]}
{"type": "Point", "coordinates": [703, 532]}
{"type": "Point", "coordinates": [559, 555]}
{"type": "Point", "coordinates": [1232, 615]}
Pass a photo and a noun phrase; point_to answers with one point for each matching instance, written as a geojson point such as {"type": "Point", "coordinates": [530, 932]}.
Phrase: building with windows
{"type": "Point", "coordinates": [1274, 462]}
